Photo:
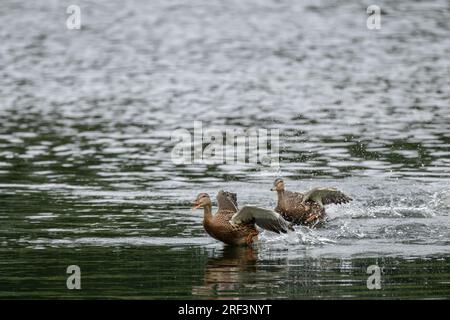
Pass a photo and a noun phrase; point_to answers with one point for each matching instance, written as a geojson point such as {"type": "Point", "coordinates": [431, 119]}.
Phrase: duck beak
{"type": "Point", "coordinates": [273, 189]}
{"type": "Point", "coordinates": [195, 205]}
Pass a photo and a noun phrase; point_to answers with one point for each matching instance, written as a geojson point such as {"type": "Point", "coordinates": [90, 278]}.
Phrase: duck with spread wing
{"type": "Point", "coordinates": [237, 227]}
{"type": "Point", "coordinates": [306, 208]}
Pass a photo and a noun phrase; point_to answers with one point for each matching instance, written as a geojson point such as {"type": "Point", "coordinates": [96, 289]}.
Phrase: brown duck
{"type": "Point", "coordinates": [306, 208]}
{"type": "Point", "coordinates": [235, 227]}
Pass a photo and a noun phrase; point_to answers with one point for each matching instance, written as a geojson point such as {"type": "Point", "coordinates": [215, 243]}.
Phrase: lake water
{"type": "Point", "coordinates": [86, 118]}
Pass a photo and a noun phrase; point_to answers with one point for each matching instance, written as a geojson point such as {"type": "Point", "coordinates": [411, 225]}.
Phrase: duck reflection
{"type": "Point", "coordinates": [225, 274]}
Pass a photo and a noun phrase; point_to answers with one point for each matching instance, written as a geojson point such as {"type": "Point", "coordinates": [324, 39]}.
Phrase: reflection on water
{"type": "Point", "coordinates": [239, 272]}
{"type": "Point", "coordinates": [86, 175]}
{"type": "Point", "coordinates": [225, 275]}
{"type": "Point", "coordinates": [214, 273]}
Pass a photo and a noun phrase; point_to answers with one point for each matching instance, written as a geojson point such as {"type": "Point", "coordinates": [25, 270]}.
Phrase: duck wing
{"type": "Point", "coordinates": [325, 196]}
{"type": "Point", "coordinates": [264, 218]}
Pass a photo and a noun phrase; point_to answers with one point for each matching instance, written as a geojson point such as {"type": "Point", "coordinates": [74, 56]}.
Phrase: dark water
{"type": "Point", "coordinates": [86, 117]}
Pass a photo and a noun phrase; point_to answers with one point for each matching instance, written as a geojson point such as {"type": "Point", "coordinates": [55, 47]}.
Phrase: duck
{"type": "Point", "coordinates": [306, 208]}
{"type": "Point", "coordinates": [237, 227]}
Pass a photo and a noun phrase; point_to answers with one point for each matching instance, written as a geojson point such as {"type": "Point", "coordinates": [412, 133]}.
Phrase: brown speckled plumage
{"type": "Point", "coordinates": [292, 209]}
{"type": "Point", "coordinates": [306, 208]}
{"type": "Point", "coordinates": [219, 226]}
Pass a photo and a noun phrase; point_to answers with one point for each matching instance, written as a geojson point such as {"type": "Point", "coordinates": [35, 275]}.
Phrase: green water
{"type": "Point", "coordinates": [164, 273]}
{"type": "Point", "coordinates": [87, 178]}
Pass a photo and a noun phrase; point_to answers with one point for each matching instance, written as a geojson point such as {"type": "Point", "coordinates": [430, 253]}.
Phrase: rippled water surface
{"type": "Point", "coordinates": [86, 118]}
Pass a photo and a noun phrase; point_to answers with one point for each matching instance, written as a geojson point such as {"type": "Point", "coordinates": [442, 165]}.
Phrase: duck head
{"type": "Point", "coordinates": [202, 200]}
{"type": "Point", "coordinates": [278, 185]}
